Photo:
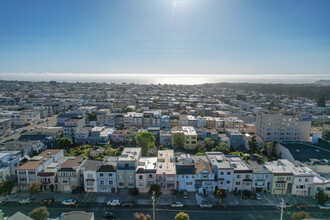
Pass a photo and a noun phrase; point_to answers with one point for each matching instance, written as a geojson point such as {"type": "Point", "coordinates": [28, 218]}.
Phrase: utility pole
{"type": "Point", "coordinates": [153, 205]}
{"type": "Point", "coordinates": [282, 205]}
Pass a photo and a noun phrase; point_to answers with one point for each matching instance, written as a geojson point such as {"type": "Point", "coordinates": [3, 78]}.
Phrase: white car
{"type": "Point", "coordinates": [69, 202]}
{"type": "Point", "coordinates": [286, 205]}
{"type": "Point", "coordinates": [115, 202]}
{"type": "Point", "coordinates": [177, 205]}
{"type": "Point", "coordinates": [25, 201]}
{"type": "Point", "coordinates": [205, 205]}
{"type": "Point", "coordinates": [258, 196]}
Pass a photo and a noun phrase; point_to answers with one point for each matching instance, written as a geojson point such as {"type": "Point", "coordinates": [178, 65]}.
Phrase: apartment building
{"type": "Point", "coordinates": [236, 138]}
{"type": "Point", "coordinates": [101, 116]}
{"type": "Point", "coordinates": [165, 138]}
{"type": "Point", "coordinates": [166, 171]}
{"type": "Point", "coordinates": [282, 127]}
{"type": "Point", "coordinates": [282, 179]}
{"type": "Point", "coordinates": [5, 126]}
{"type": "Point", "coordinates": [72, 125]}
{"type": "Point", "coordinates": [106, 178]}
{"type": "Point", "coordinates": [190, 137]}
{"type": "Point", "coordinates": [28, 172]}
{"type": "Point", "coordinates": [146, 173]}
{"type": "Point", "coordinates": [262, 177]}
{"type": "Point", "coordinates": [224, 172]}
{"type": "Point", "coordinates": [19, 118]}
{"type": "Point", "coordinates": [126, 167]}
{"type": "Point", "coordinates": [70, 175]}
{"type": "Point", "coordinates": [204, 177]}
{"type": "Point", "coordinates": [90, 176]}
{"type": "Point", "coordinates": [185, 172]}
{"type": "Point", "coordinates": [302, 178]}
{"type": "Point", "coordinates": [242, 173]}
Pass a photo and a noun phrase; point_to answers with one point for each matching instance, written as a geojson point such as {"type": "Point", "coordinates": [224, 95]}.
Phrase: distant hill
{"type": "Point", "coordinates": [323, 82]}
{"type": "Point", "coordinates": [313, 91]}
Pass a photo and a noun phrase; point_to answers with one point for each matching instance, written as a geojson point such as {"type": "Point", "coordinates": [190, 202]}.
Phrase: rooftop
{"type": "Point", "coordinates": [189, 130]}
{"type": "Point", "coordinates": [130, 154]}
{"type": "Point", "coordinates": [165, 162]}
{"type": "Point", "coordinates": [92, 165]}
{"type": "Point", "coordinates": [218, 159]}
{"type": "Point", "coordinates": [237, 163]}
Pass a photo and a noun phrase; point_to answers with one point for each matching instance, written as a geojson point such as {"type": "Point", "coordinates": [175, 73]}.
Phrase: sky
{"type": "Point", "coordinates": [259, 37]}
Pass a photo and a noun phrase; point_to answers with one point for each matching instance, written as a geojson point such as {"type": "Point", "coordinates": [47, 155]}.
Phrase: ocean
{"type": "Point", "coordinates": [188, 79]}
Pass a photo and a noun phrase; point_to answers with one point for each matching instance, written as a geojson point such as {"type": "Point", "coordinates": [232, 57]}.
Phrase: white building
{"type": "Point", "coordinates": [222, 169]}
{"type": "Point", "coordinates": [89, 173]}
{"type": "Point", "coordinates": [242, 173]}
{"type": "Point", "coordinates": [146, 173]}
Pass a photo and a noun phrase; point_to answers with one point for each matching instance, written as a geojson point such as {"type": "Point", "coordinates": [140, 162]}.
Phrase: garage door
{"type": "Point", "coordinates": [67, 188]}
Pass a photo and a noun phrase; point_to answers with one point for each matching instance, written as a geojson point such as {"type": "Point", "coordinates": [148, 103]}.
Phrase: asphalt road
{"type": "Point", "coordinates": [164, 213]}
{"type": "Point", "coordinates": [51, 122]}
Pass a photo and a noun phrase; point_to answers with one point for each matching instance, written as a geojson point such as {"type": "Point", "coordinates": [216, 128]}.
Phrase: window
{"type": "Point", "coordinates": [288, 178]}
{"type": "Point", "coordinates": [188, 183]}
{"type": "Point", "coordinates": [101, 174]}
{"type": "Point", "coordinates": [121, 184]}
{"type": "Point", "coordinates": [247, 176]}
{"type": "Point", "coordinates": [280, 185]}
{"type": "Point", "coordinates": [238, 176]}
{"type": "Point", "coordinates": [238, 183]}
{"type": "Point", "coordinates": [110, 174]}
{"type": "Point", "coordinates": [281, 178]}
{"type": "Point", "coordinates": [150, 176]}
{"type": "Point", "coordinates": [221, 183]}
{"type": "Point", "coordinates": [140, 177]}
{"type": "Point", "coordinates": [300, 180]}
{"type": "Point", "coordinates": [228, 182]}
{"type": "Point", "coordinates": [64, 181]}
{"type": "Point", "coordinates": [140, 183]}
{"type": "Point", "coordinates": [89, 176]}
{"type": "Point", "coordinates": [306, 180]}
{"type": "Point", "coordinates": [102, 182]}
{"type": "Point", "coordinates": [110, 182]}
{"type": "Point", "coordinates": [221, 173]}
{"type": "Point", "coordinates": [228, 173]}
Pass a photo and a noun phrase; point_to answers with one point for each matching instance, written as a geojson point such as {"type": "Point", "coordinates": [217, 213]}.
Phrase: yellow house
{"type": "Point", "coordinates": [190, 137]}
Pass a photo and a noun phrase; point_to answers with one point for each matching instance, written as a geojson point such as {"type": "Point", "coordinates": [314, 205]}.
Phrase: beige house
{"type": "Point", "coordinates": [282, 127]}
{"type": "Point", "coordinates": [69, 175]}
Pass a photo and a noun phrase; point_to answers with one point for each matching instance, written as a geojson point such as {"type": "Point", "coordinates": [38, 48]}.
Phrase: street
{"type": "Point", "coordinates": [165, 212]}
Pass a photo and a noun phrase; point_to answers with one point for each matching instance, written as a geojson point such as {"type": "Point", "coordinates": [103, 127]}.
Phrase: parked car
{"type": "Point", "coordinates": [325, 206]}
{"type": "Point", "coordinates": [69, 202]}
{"type": "Point", "coordinates": [108, 216]}
{"type": "Point", "coordinates": [286, 205]}
{"type": "Point", "coordinates": [25, 201]}
{"type": "Point", "coordinates": [115, 202]}
{"type": "Point", "coordinates": [302, 206]}
{"type": "Point", "coordinates": [47, 201]}
{"type": "Point", "coordinates": [185, 194]}
{"type": "Point", "coordinates": [258, 196]}
{"type": "Point", "coordinates": [205, 205]}
{"type": "Point", "coordinates": [245, 194]}
{"type": "Point", "coordinates": [177, 205]}
{"type": "Point", "coordinates": [251, 195]}
{"type": "Point", "coordinates": [128, 204]}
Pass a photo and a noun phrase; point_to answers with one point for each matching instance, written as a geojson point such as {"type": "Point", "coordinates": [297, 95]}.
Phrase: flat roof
{"type": "Point", "coordinates": [165, 162]}
{"type": "Point", "coordinates": [130, 154]}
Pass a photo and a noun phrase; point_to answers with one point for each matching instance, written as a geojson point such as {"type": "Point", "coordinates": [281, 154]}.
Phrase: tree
{"type": "Point", "coordinates": [222, 147]}
{"type": "Point", "coordinates": [146, 140]}
{"type": "Point", "coordinates": [92, 116]}
{"type": "Point", "coordinates": [209, 143]}
{"type": "Point", "coordinates": [35, 187]}
{"type": "Point", "coordinates": [178, 140]}
{"type": "Point", "coordinates": [220, 194]}
{"type": "Point", "coordinates": [64, 143]}
{"type": "Point", "coordinates": [326, 135]}
{"type": "Point", "coordinates": [156, 188]}
{"type": "Point", "coordinates": [253, 145]}
{"type": "Point", "coordinates": [141, 216]}
{"type": "Point", "coordinates": [241, 154]}
{"type": "Point", "coordinates": [241, 97]}
{"type": "Point", "coordinates": [321, 197]}
{"type": "Point", "coordinates": [260, 160]}
{"type": "Point", "coordinates": [40, 213]}
{"type": "Point", "coordinates": [321, 101]}
{"type": "Point", "coordinates": [182, 216]}
{"type": "Point", "coordinates": [128, 109]}
{"type": "Point", "coordinates": [300, 215]}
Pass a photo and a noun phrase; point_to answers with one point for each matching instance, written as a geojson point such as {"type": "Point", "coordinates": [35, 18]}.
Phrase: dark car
{"type": "Point", "coordinates": [252, 195]}
{"type": "Point", "coordinates": [109, 216]}
{"type": "Point", "coordinates": [47, 201]}
{"type": "Point", "coordinates": [245, 194]}
{"type": "Point", "coordinates": [128, 204]}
